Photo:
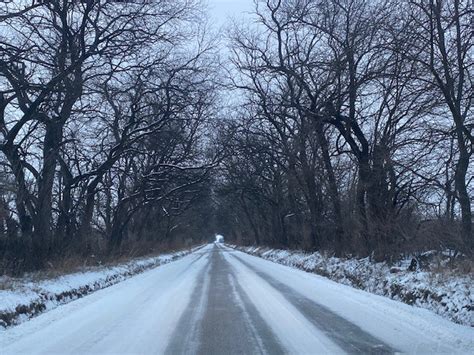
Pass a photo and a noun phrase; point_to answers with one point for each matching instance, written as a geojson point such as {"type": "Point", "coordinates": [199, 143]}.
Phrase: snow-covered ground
{"type": "Point", "coordinates": [446, 293]}
{"type": "Point", "coordinates": [219, 300]}
{"type": "Point", "coordinates": [23, 298]}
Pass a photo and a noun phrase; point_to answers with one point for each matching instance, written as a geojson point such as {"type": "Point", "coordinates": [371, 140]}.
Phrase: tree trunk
{"type": "Point", "coordinates": [333, 190]}
{"type": "Point", "coordinates": [295, 218]}
{"type": "Point", "coordinates": [43, 235]}
{"type": "Point", "coordinates": [23, 200]}
{"type": "Point", "coordinates": [463, 196]}
{"type": "Point", "coordinates": [361, 194]}
{"type": "Point", "coordinates": [250, 219]}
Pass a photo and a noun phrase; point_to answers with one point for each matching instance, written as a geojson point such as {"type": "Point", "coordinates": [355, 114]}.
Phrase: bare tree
{"type": "Point", "coordinates": [442, 41]}
{"type": "Point", "coordinates": [56, 57]}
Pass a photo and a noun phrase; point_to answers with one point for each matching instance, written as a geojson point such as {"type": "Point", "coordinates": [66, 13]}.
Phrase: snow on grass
{"type": "Point", "coordinates": [447, 293]}
{"type": "Point", "coordinates": [23, 298]}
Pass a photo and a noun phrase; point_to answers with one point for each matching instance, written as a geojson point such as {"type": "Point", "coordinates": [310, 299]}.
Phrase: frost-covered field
{"type": "Point", "coordinates": [446, 293]}
{"type": "Point", "coordinates": [23, 298]}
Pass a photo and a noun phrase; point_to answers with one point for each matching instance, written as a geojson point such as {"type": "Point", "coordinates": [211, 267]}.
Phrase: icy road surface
{"type": "Point", "coordinates": [220, 301]}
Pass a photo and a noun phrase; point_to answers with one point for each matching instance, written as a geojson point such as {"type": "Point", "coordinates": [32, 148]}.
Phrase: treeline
{"type": "Point", "coordinates": [353, 127]}
{"type": "Point", "coordinates": [339, 125]}
{"type": "Point", "coordinates": [103, 107]}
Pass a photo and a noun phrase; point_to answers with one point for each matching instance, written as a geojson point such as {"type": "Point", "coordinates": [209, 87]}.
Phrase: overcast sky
{"type": "Point", "coordinates": [222, 10]}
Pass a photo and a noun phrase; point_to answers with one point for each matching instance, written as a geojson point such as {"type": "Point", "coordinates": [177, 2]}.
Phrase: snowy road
{"type": "Point", "coordinates": [220, 301]}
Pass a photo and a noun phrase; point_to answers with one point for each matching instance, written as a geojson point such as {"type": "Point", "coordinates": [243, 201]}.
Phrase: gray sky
{"type": "Point", "coordinates": [222, 10]}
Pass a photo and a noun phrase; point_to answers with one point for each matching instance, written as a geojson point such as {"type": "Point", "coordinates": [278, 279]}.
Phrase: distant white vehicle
{"type": "Point", "coordinates": [219, 238]}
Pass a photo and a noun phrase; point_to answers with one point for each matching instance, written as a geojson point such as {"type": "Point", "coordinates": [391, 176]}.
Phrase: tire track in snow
{"type": "Point", "coordinates": [297, 334]}
{"type": "Point", "coordinates": [266, 340]}
{"type": "Point", "coordinates": [136, 316]}
{"type": "Point", "coordinates": [348, 336]}
{"type": "Point", "coordinates": [185, 338]}
{"type": "Point", "coordinates": [220, 317]}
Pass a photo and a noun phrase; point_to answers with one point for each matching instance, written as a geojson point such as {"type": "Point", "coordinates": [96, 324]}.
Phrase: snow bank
{"type": "Point", "coordinates": [23, 298]}
{"type": "Point", "coordinates": [446, 293]}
